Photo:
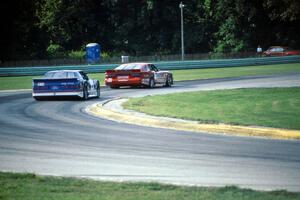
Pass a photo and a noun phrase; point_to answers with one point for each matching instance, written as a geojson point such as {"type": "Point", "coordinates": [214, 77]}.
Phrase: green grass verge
{"type": "Point", "coordinates": [194, 74]}
{"type": "Point", "coordinates": [25, 82]}
{"type": "Point", "coordinates": [14, 83]}
{"type": "Point", "coordinates": [273, 107]}
{"type": "Point", "coordinates": [31, 187]}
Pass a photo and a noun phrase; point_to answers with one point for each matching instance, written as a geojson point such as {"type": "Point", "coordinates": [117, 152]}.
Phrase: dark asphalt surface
{"type": "Point", "coordinates": [58, 138]}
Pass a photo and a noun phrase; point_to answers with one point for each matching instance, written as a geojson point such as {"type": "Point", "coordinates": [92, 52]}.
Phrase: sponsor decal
{"type": "Point", "coordinates": [41, 84]}
{"type": "Point", "coordinates": [68, 83]}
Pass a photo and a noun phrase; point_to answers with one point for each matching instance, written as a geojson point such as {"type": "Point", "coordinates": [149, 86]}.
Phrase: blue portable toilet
{"type": "Point", "coordinates": [93, 53]}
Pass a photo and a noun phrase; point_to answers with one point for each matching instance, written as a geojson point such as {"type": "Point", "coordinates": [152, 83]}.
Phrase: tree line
{"type": "Point", "coordinates": [39, 29]}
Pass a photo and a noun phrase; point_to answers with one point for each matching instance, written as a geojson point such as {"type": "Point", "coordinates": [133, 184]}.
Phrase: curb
{"type": "Point", "coordinates": [127, 116]}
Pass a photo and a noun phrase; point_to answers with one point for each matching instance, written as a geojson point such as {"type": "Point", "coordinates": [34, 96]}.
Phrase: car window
{"type": "Point", "coordinates": [48, 75]}
{"type": "Point", "coordinates": [129, 66]}
{"type": "Point", "coordinates": [71, 75]}
{"type": "Point", "coordinates": [123, 67]}
{"type": "Point", "coordinates": [137, 67]}
{"type": "Point", "coordinates": [279, 49]}
{"type": "Point", "coordinates": [153, 68]}
{"type": "Point", "coordinates": [56, 75]}
{"type": "Point", "coordinates": [84, 76]}
{"type": "Point", "coordinates": [145, 68]}
{"type": "Point", "coordinates": [77, 75]}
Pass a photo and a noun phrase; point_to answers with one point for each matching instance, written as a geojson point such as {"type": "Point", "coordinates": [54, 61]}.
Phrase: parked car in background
{"type": "Point", "coordinates": [65, 83]}
{"type": "Point", "coordinates": [280, 51]}
{"type": "Point", "coordinates": [138, 74]}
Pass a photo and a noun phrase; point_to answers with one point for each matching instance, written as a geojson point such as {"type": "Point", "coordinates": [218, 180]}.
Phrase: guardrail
{"type": "Point", "coordinates": [170, 65]}
{"type": "Point", "coordinates": [117, 59]}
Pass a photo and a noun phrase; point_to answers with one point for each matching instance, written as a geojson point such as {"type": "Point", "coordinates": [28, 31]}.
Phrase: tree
{"type": "Point", "coordinates": [283, 10]}
{"type": "Point", "coordinates": [145, 27]}
{"type": "Point", "coordinates": [285, 18]}
{"type": "Point", "coordinates": [20, 37]}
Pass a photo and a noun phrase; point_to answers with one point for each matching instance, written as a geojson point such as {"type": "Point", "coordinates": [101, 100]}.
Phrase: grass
{"type": "Point", "coordinates": [25, 82]}
{"type": "Point", "coordinates": [180, 75]}
{"type": "Point", "coordinates": [98, 76]}
{"type": "Point", "coordinates": [273, 107]}
{"type": "Point", "coordinates": [14, 83]}
{"type": "Point", "coordinates": [29, 186]}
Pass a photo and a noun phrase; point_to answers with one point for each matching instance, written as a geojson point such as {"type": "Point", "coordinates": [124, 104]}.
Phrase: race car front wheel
{"type": "Point", "coordinates": [169, 81]}
{"type": "Point", "coordinates": [85, 93]}
{"type": "Point", "coordinates": [98, 90]}
{"type": "Point", "coordinates": [151, 83]}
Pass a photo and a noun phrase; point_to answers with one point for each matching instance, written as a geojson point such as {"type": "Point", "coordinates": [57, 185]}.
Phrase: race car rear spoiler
{"type": "Point", "coordinates": [118, 71]}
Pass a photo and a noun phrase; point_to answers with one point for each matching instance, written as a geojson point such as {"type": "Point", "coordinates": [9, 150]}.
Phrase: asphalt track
{"type": "Point", "coordinates": [58, 138]}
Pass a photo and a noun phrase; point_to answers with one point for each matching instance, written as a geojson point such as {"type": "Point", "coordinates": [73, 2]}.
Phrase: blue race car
{"type": "Point", "coordinates": [65, 83]}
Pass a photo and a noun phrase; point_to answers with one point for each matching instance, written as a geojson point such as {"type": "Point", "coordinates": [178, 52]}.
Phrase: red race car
{"type": "Point", "coordinates": [280, 51]}
{"type": "Point", "coordinates": [137, 74]}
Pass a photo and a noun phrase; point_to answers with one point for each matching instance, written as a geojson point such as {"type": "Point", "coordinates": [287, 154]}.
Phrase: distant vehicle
{"type": "Point", "coordinates": [65, 83]}
{"type": "Point", "coordinates": [280, 51]}
{"type": "Point", "coordinates": [138, 74]}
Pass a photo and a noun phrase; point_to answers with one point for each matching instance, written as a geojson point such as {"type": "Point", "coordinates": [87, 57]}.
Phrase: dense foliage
{"type": "Point", "coordinates": [34, 29]}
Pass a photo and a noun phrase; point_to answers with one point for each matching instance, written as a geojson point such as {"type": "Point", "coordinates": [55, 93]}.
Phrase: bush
{"type": "Point", "coordinates": [105, 55]}
{"type": "Point", "coordinates": [55, 51]}
{"type": "Point", "coordinates": [77, 54]}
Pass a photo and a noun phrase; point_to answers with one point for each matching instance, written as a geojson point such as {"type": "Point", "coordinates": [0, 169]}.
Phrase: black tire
{"type": "Point", "coordinates": [85, 93]}
{"type": "Point", "coordinates": [98, 90]}
{"type": "Point", "coordinates": [169, 81]}
{"type": "Point", "coordinates": [38, 98]}
{"type": "Point", "coordinates": [114, 87]}
{"type": "Point", "coordinates": [151, 83]}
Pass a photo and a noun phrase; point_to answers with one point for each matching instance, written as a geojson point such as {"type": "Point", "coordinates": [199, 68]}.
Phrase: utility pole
{"type": "Point", "coordinates": [181, 6]}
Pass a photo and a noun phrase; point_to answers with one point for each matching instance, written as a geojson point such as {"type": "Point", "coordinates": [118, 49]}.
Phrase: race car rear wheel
{"type": "Point", "coordinates": [38, 98]}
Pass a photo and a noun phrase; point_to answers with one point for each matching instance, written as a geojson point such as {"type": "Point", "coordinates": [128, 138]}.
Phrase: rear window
{"type": "Point", "coordinates": [56, 75]}
{"type": "Point", "coordinates": [71, 75]}
{"type": "Point", "coordinates": [129, 66]}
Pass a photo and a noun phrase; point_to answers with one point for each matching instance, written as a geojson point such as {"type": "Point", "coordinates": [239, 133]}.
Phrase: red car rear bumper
{"type": "Point", "coordinates": [130, 82]}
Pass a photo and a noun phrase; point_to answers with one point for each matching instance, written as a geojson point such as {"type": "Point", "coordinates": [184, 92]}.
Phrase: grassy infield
{"type": "Point", "coordinates": [279, 107]}
{"type": "Point", "coordinates": [31, 187]}
{"type": "Point", "coordinates": [267, 107]}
